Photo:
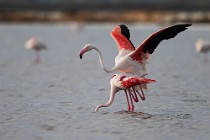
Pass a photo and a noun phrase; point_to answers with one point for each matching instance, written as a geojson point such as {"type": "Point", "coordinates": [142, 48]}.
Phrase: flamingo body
{"type": "Point", "coordinates": [203, 46]}
{"type": "Point", "coordinates": [37, 46]}
{"type": "Point", "coordinates": [122, 81]}
{"type": "Point", "coordinates": [132, 86]}
{"type": "Point", "coordinates": [126, 64]}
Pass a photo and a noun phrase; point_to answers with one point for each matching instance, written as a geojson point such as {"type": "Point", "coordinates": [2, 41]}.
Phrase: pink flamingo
{"type": "Point", "coordinates": [203, 46]}
{"type": "Point", "coordinates": [132, 61]}
{"type": "Point", "coordinates": [131, 84]}
{"type": "Point", "coordinates": [37, 46]}
{"type": "Point", "coordinates": [129, 59]}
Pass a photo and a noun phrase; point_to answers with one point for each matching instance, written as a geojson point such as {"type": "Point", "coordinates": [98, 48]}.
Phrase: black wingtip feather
{"type": "Point", "coordinates": [187, 25]}
{"type": "Point", "coordinates": [126, 33]}
{"type": "Point", "coordinates": [164, 34]}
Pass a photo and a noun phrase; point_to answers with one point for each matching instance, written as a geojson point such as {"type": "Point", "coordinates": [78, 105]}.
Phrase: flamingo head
{"type": "Point", "coordinates": [87, 47]}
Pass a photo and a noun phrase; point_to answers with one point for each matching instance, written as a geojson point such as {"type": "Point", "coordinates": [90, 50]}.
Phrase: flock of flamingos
{"type": "Point", "coordinates": [130, 63]}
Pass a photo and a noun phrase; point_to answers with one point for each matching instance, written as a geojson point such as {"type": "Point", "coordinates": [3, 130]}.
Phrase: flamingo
{"type": "Point", "coordinates": [202, 46]}
{"type": "Point", "coordinates": [37, 46]}
{"type": "Point", "coordinates": [132, 86]}
{"type": "Point", "coordinates": [129, 59]}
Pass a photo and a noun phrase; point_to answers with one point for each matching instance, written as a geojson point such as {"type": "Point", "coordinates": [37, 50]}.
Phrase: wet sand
{"type": "Point", "coordinates": [56, 99]}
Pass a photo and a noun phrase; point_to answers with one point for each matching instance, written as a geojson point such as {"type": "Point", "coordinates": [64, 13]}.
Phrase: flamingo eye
{"type": "Point", "coordinates": [113, 76]}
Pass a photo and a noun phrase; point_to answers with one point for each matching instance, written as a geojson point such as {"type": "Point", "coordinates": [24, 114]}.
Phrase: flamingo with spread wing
{"type": "Point", "coordinates": [129, 59]}
{"type": "Point", "coordinates": [132, 62]}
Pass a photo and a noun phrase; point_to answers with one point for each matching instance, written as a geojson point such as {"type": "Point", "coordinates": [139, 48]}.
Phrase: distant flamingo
{"type": "Point", "coordinates": [129, 59]}
{"type": "Point", "coordinates": [76, 26]}
{"type": "Point", "coordinates": [131, 84]}
{"type": "Point", "coordinates": [203, 46]}
{"type": "Point", "coordinates": [36, 45]}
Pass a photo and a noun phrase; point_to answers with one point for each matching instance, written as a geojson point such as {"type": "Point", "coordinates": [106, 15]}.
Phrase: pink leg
{"type": "Point", "coordinates": [141, 96]}
{"type": "Point", "coordinates": [132, 105]}
{"type": "Point", "coordinates": [135, 98]}
{"type": "Point", "coordinates": [37, 59]}
{"type": "Point", "coordinates": [126, 94]}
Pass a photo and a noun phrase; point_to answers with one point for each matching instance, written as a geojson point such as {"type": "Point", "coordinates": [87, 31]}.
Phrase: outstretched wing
{"type": "Point", "coordinates": [149, 45]}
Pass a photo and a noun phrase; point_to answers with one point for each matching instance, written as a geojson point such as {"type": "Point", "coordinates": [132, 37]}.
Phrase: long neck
{"type": "Point", "coordinates": [111, 98]}
{"type": "Point", "coordinates": [102, 61]}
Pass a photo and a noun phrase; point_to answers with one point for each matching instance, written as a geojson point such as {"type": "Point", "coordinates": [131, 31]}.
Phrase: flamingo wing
{"type": "Point", "coordinates": [150, 44]}
{"type": "Point", "coordinates": [128, 82]}
{"type": "Point", "coordinates": [122, 42]}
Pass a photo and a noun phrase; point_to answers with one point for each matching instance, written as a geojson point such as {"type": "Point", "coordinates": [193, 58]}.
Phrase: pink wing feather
{"type": "Point", "coordinates": [121, 41]}
{"type": "Point", "coordinates": [134, 81]}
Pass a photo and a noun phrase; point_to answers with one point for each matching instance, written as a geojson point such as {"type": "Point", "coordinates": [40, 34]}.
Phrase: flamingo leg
{"type": "Point", "coordinates": [126, 94]}
{"type": "Point", "coordinates": [37, 57]}
{"type": "Point", "coordinates": [141, 96]}
{"type": "Point", "coordinates": [205, 58]}
{"type": "Point", "coordinates": [132, 105]}
{"type": "Point", "coordinates": [135, 98]}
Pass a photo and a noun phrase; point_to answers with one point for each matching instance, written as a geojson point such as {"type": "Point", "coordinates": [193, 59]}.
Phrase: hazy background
{"type": "Point", "coordinates": [105, 10]}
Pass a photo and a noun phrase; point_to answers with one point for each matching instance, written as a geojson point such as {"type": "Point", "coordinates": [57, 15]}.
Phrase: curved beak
{"type": "Point", "coordinates": [80, 56]}
{"type": "Point", "coordinates": [81, 53]}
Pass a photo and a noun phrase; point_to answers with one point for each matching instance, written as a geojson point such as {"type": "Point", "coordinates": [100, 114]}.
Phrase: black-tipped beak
{"type": "Point", "coordinates": [81, 53]}
{"type": "Point", "coordinates": [80, 56]}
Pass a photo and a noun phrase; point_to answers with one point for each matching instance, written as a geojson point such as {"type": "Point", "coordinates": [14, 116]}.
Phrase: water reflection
{"type": "Point", "coordinates": [143, 116]}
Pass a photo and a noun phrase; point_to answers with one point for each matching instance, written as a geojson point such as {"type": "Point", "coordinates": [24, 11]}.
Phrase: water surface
{"type": "Point", "coordinates": [56, 99]}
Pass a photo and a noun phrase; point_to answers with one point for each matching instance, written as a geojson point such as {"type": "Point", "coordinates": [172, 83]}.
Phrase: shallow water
{"type": "Point", "coordinates": [56, 99]}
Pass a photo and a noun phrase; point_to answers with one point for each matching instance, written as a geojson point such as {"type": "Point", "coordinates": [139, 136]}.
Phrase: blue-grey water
{"type": "Point", "coordinates": [56, 99]}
